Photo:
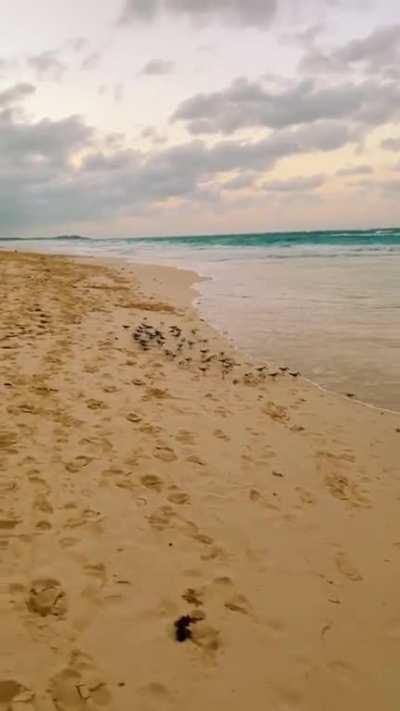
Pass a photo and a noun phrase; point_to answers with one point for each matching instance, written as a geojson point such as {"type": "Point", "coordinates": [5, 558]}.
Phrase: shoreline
{"type": "Point", "coordinates": [149, 472]}
{"type": "Point", "coordinates": [191, 279]}
{"type": "Point", "coordinates": [192, 294]}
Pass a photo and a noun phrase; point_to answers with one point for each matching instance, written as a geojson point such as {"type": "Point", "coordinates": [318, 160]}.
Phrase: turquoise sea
{"type": "Point", "coordinates": [327, 303]}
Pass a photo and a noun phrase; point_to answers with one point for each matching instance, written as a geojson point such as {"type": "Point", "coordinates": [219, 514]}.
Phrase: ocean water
{"type": "Point", "coordinates": [326, 303]}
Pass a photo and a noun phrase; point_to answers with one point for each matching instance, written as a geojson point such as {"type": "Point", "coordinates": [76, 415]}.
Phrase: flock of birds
{"type": "Point", "coordinates": [192, 350]}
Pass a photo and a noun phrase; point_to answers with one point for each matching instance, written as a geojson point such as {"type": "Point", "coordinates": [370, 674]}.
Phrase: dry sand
{"type": "Point", "coordinates": [136, 488]}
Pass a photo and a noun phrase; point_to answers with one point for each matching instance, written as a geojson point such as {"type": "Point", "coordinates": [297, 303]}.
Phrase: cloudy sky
{"type": "Point", "coordinates": [152, 117]}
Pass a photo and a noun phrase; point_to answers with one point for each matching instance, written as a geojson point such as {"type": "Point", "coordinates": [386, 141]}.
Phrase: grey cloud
{"type": "Point", "coordinates": [247, 104]}
{"type": "Point", "coordinates": [256, 13]}
{"type": "Point", "coordinates": [151, 134]}
{"type": "Point", "coordinates": [157, 67]}
{"type": "Point", "coordinates": [43, 142]}
{"type": "Point", "coordinates": [16, 93]}
{"type": "Point", "coordinates": [243, 180]}
{"type": "Point", "coordinates": [47, 65]}
{"type": "Point", "coordinates": [297, 185]}
{"type": "Point", "coordinates": [390, 187]}
{"type": "Point", "coordinates": [355, 170]}
{"type": "Point", "coordinates": [391, 144]}
{"type": "Point", "coordinates": [41, 182]}
{"type": "Point", "coordinates": [377, 53]}
{"type": "Point", "coordinates": [35, 157]}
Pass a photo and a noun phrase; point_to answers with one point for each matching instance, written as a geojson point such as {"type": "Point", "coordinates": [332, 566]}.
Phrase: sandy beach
{"type": "Point", "coordinates": [148, 473]}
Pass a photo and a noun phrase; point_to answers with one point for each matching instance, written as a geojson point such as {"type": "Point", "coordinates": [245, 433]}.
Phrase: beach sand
{"type": "Point", "coordinates": [138, 486]}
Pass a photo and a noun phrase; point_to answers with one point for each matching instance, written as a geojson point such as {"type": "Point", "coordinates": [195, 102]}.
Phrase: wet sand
{"type": "Point", "coordinates": [148, 473]}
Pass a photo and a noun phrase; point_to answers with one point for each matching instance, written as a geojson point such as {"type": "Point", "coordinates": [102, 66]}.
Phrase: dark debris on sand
{"type": "Point", "coordinates": [182, 628]}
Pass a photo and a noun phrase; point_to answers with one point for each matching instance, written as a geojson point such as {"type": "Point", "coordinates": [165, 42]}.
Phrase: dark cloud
{"type": "Point", "coordinates": [391, 144]}
{"type": "Point", "coordinates": [298, 184]}
{"type": "Point", "coordinates": [157, 67]}
{"type": "Point", "coordinates": [35, 158]}
{"type": "Point", "coordinates": [256, 13]}
{"type": "Point", "coordinates": [247, 104]}
{"type": "Point", "coordinates": [377, 54]}
{"type": "Point", "coordinates": [42, 181]}
{"type": "Point", "coordinates": [355, 170]}
{"type": "Point", "coordinates": [47, 65]}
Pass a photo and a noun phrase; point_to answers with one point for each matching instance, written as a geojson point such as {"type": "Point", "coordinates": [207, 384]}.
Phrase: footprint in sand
{"type": "Point", "coordinates": [8, 441]}
{"type": "Point", "coordinates": [340, 487]}
{"type": "Point", "coordinates": [109, 389]}
{"type": "Point", "coordinates": [165, 454]}
{"type": "Point", "coordinates": [194, 597]}
{"type": "Point", "coordinates": [78, 687]}
{"type": "Point", "coordinates": [13, 694]}
{"type": "Point", "coordinates": [162, 518]}
{"type": "Point", "coordinates": [78, 463]}
{"type": "Point", "coordinates": [276, 412]}
{"type": "Point", "coordinates": [185, 437]}
{"type": "Point", "coordinates": [238, 603]}
{"type": "Point", "coordinates": [156, 394]}
{"type": "Point", "coordinates": [347, 569]}
{"type": "Point", "coordinates": [219, 434]}
{"type": "Point", "coordinates": [43, 526]}
{"type": "Point", "coordinates": [8, 524]}
{"type": "Point", "coordinates": [42, 504]}
{"type": "Point", "coordinates": [305, 496]}
{"type": "Point", "coordinates": [96, 404]}
{"type": "Point", "coordinates": [133, 417]}
{"type": "Point", "coordinates": [194, 459]}
{"type": "Point", "coordinates": [179, 497]}
{"type": "Point", "coordinates": [46, 597]}
{"type": "Point", "coordinates": [206, 637]}
{"type": "Point", "coordinates": [152, 482]}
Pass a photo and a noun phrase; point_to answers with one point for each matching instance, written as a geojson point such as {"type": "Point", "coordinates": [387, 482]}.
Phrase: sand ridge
{"type": "Point", "coordinates": [148, 472]}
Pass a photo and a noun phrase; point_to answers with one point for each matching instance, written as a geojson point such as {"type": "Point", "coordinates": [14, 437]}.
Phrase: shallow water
{"type": "Point", "coordinates": [327, 304]}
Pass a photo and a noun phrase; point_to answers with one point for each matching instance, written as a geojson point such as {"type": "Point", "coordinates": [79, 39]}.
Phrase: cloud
{"type": "Point", "coordinates": [151, 134]}
{"type": "Point", "coordinates": [15, 94]}
{"type": "Point", "coordinates": [256, 13]}
{"type": "Point", "coordinates": [246, 104]}
{"type": "Point", "coordinates": [355, 170]}
{"type": "Point", "coordinates": [118, 93]}
{"type": "Point", "coordinates": [243, 180]}
{"type": "Point", "coordinates": [36, 158]}
{"type": "Point", "coordinates": [298, 184]}
{"type": "Point", "coordinates": [47, 65]}
{"type": "Point", "coordinates": [377, 54]}
{"type": "Point", "coordinates": [91, 61]}
{"type": "Point", "coordinates": [78, 43]}
{"type": "Point", "coordinates": [157, 67]}
{"type": "Point", "coordinates": [43, 180]}
{"type": "Point", "coordinates": [391, 144]}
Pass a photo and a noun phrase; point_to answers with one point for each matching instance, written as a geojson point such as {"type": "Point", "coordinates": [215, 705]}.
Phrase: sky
{"type": "Point", "coordinates": [174, 117]}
